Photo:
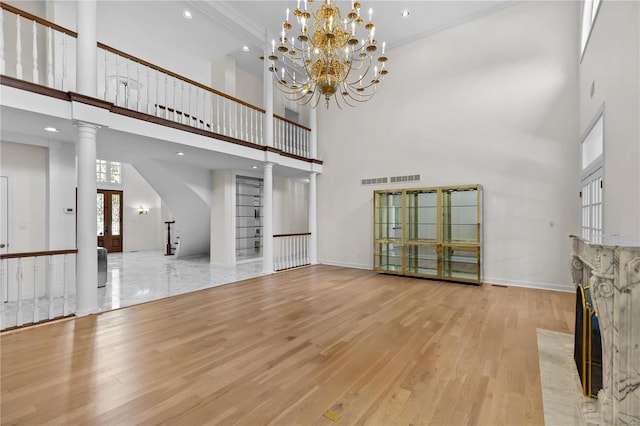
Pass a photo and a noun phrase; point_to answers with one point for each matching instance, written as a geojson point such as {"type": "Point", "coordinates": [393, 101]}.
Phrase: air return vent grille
{"type": "Point", "coordinates": [392, 179]}
{"type": "Point", "coordinates": [408, 178]}
{"type": "Point", "coordinates": [374, 181]}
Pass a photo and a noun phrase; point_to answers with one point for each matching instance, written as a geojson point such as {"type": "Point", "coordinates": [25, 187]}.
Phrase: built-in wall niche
{"type": "Point", "coordinates": [249, 195]}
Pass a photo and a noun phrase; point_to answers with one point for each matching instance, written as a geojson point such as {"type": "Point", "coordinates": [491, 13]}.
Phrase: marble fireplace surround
{"type": "Point", "coordinates": [611, 267]}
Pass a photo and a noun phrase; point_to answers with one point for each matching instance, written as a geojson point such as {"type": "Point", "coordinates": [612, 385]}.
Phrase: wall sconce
{"type": "Point", "coordinates": [143, 210]}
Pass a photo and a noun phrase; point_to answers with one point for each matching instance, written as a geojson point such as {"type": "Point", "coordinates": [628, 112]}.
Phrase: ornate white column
{"type": "Point", "coordinates": [87, 257]}
{"type": "Point", "coordinates": [313, 220]}
{"type": "Point", "coordinates": [86, 72]}
{"type": "Point", "coordinates": [86, 50]}
{"type": "Point", "coordinates": [267, 217]}
{"type": "Point", "coordinates": [267, 123]}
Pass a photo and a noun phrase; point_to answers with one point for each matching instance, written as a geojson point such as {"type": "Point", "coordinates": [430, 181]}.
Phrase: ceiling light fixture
{"type": "Point", "coordinates": [405, 13]}
{"type": "Point", "coordinates": [254, 167]}
{"type": "Point", "coordinates": [245, 48]}
{"type": "Point", "coordinates": [187, 14]}
{"type": "Point", "coordinates": [180, 154]}
{"type": "Point", "coordinates": [51, 129]}
{"type": "Point", "coordinates": [328, 55]}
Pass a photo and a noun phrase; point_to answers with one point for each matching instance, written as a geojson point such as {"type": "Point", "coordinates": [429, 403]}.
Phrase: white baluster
{"type": "Point", "coordinates": [276, 142]}
{"type": "Point", "coordinates": [224, 116]}
{"type": "Point", "coordinates": [217, 113]}
{"type": "Point", "coordinates": [126, 85]}
{"type": "Point", "coordinates": [19, 300]}
{"type": "Point", "coordinates": [36, 316]}
{"type": "Point", "coordinates": [18, 47]}
{"type": "Point", "coordinates": [236, 124]}
{"type": "Point", "coordinates": [276, 254]}
{"type": "Point", "coordinates": [251, 113]}
{"type": "Point", "coordinates": [117, 78]}
{"type": "Point", "coordinates": [183, 117]}
{"type": "Point", "coordinates": [3, 263]}
{"type": "Point", "coordinates": [211, 97]}
{"type": "Point", "coordinates": [259, 128]}
{"type": "Point", "coordinates": [148, 90]}
{"type": "Point", "coordinates": [157, 109]}
{"type": "Point", "coordinates": [106, 77]}
{"type": "Point", "coordinates": [286, 252]}
{"type": "Point", "coordinates": [50, 81]}
{"type": "Point", "coordinates": [64, 64]}
{"type": "Point", "coordinates": [243, 122]}
{"type": "Point", "coordinates": [197, 106]}
{"type": "Point", "coordinates": [175, 104]}
{"type": "Point", "coordinates": [189, 103]}
{"type": "Point", "coordinates": [64, 285]}
{"type": "Point", "coordinates": [50, 288]}
{"type": "Point", "coordinates": [36, 76]}
{"type": "Point", "coordinates": [166, 105]}
{"type": "Point", "coordinates": [138, 87]}
{"type": "Point", "coordinates": [2, 61]}
{"type": "Point", "coordinates": [204, 110]}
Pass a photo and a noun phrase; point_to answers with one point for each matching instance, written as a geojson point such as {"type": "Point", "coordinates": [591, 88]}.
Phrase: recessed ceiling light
{"type": "Point", "coordinates": [405, 13]}
{"type": "Point", "coordinates": [254, 167]}
{"type": "Point", "coordinates": [245, 48]}
{"type": "Point", "coordinates": [51, 129]}
{"type": "Point", "coordinates": [187, 14]}
{"type": "Point", "coordinates": [180, 154]}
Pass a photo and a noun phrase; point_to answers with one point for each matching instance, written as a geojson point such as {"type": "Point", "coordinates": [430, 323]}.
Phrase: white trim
{"type": "Point", "coordinates": [530, 284]}
{"type": "Point", "coordinates": [499, 281]}
{"type": "Point", "coordinates": [345, 264]}
{"type": "Point", "coordinates": [480, 14]}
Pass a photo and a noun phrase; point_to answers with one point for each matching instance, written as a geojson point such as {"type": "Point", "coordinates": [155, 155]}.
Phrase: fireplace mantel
{"type": "Point", "coordinates": [610, 265]}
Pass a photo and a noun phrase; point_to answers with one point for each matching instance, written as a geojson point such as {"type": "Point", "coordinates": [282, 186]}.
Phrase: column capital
{"type": "Point", "coordinates": [85, 125]}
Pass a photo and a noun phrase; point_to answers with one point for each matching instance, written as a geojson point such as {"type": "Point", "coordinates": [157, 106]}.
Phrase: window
{"type": "Point", "coordinates": [589, 12]}
{"type": "Point", "coordinates": [591, 183]}
{"type": "Point", "coordinates": [108, 172]}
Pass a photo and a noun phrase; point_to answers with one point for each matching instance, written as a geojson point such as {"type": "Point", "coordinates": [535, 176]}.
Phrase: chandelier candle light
{"type": "Point", "coordinates": [330, 55]}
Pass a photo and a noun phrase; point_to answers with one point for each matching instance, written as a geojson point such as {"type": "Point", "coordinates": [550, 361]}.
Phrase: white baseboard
{"type": "Point", "coordinates": [345, 264]}
{"type": "Point", "coordinates": [499, 281]}
{"type": "Point", "coordinates": [529, 284]}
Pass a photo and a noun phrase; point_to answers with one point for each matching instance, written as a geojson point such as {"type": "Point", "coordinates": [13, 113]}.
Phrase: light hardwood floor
{"type": "Point", "coordinates": [283, 349]}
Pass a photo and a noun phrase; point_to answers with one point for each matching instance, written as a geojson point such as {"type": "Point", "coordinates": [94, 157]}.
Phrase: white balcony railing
{"type": "Point", "coordinates": [135, 84]}
{"type": "Point", "coordinates": [36, 287]}
{"type": "Point", "coordinates": [291, 137]}
{"type": "Point", "coordinates": [35, 50]}
{"type": "Point", "coordinates": [291, 251]}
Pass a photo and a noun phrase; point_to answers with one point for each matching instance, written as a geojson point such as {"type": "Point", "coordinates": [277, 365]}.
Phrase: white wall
{"type": "Point", "coordinates": [61, 195]}
{"type": "Point", "coordinates": [290, 206]}
{"type": "Point", "coordinates": [612, 63]}
{"type": "Point", "coordinates": [187, 191]}
{"type": "Point", "coordinates": [248, 88]}
{"type": "Point", "coordinates": [26, 168]}
{"type": "Point", "coordinates": [146, 231]}
{"type": "Point", "coordinates": [492, 101]}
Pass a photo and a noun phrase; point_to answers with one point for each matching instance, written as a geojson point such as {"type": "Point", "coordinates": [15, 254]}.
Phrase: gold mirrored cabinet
{"type": "Point", "coordinates": [429, 232]}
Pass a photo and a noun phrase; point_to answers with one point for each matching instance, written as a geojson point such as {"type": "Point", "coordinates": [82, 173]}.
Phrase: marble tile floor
{"type": "Point", "coordinates": [143, 276]}
{"type": "Point", "coordinates": [133, 278]}
{"type": "Point", "coordinates": [562, 399]}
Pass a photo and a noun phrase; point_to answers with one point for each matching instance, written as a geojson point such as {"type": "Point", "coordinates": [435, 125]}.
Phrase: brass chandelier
{"type": "Point", "coordinates": [328, 56]}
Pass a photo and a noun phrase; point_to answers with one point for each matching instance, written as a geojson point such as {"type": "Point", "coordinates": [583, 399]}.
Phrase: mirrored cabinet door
{"type": "Point", "coordinates": [388, 239]}
{"type": "Point", "coordinates": [429, 232]}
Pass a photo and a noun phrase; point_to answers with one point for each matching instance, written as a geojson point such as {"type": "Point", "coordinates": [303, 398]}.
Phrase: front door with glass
{"type": "Point", "coordinates": [110, 220]}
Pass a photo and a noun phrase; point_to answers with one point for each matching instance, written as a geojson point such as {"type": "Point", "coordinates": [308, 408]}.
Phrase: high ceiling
{"type": "Point", "coordinates": [255, 23]}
